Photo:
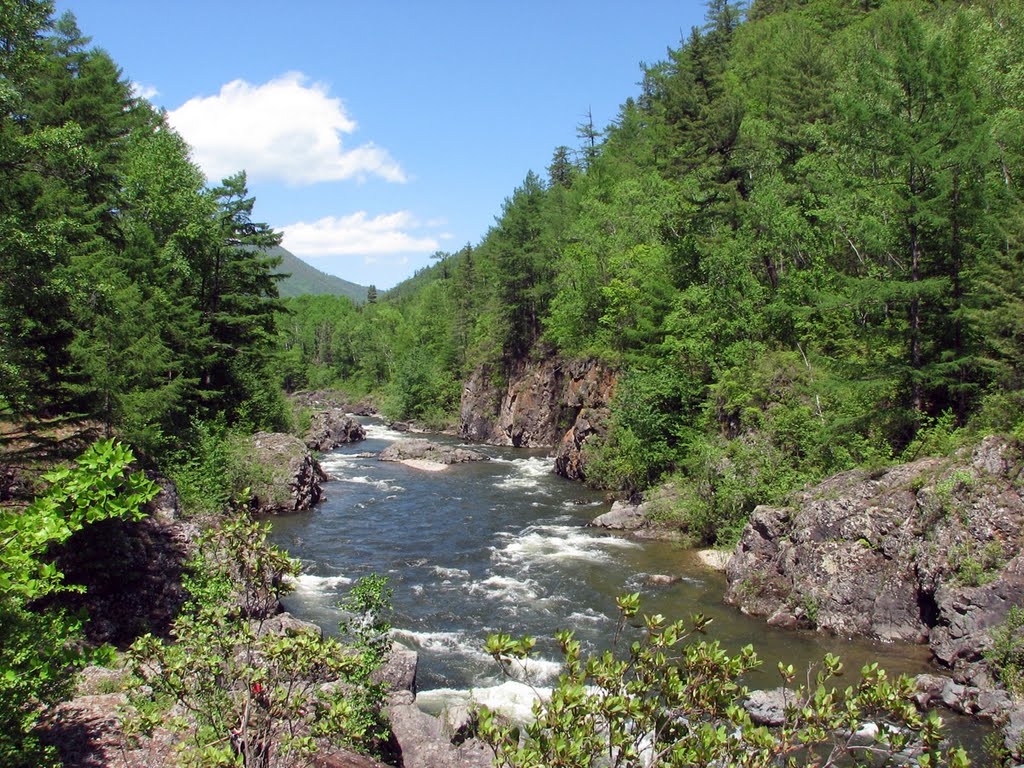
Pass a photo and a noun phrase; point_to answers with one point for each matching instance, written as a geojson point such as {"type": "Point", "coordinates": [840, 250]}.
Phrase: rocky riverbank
{"type": "Point", "coordinates": [925, 552]}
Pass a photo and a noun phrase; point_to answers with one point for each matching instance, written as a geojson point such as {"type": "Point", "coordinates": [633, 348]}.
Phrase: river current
{"type": "Point", "coordinates": [502, 546]}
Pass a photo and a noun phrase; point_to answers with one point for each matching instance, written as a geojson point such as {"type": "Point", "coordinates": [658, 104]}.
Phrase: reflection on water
{"type": "Point", "coordinates": [502, 546]}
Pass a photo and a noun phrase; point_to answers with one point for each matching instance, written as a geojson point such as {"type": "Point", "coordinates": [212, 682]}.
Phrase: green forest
{"type": "Point", "coordinates": [799, 246]}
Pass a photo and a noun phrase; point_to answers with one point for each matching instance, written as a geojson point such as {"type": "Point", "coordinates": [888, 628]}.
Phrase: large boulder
{"type": "Point", "coordinates": [623, 516]}
{"type": "Point", "coordinates": [415, 450]}
{"type": "Point", "coordinates": [282, 474]}
{"type": "Point", "coordinates": [331, 428]}
{"type": "Point", "coordinates": [929, 551]}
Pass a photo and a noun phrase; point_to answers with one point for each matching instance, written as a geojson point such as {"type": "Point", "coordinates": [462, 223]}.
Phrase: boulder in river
{"type": "Point", "coordinates": [331, 428]}
{"type": "Point", "coordinates": [282, 474]}
{"type": "Point", "coordinates": [420, 452]}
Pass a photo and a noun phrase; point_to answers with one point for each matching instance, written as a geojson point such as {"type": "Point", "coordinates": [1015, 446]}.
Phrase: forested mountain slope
{"type": "Point", "coordinates": [302, 279]}
{"type": "Point", "coordinates": [798, 247]}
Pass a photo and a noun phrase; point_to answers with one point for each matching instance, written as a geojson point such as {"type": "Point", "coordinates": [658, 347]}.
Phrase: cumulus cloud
{"type": "Point", "coordinates": [359, 234]}
{"type": "Point", "coordinates": [142, 91]}
{"type": "Point", "coordinates": [286, 129]}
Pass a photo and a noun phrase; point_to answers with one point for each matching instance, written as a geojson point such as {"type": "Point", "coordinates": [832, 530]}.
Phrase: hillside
{"type": "Point", "coordinates": [306, 280]}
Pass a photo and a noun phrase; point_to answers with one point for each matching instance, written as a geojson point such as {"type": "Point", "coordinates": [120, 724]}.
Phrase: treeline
{"type": "Point", "coordinates": [130, 291]}
{"type": "Point", "coordinates": [799, 245]}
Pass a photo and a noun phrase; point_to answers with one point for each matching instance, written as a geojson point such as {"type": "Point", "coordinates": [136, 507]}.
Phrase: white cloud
{"type": "Point", "coordinates": [359, 234]}
{"type": "Point", "coordinates": [141, 91]}
{"type": "Point", "coordinates": [285, 129]}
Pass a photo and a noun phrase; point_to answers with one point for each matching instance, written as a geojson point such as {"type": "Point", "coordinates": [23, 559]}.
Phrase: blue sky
{"type": "Point", "coordinates": [375, 134]}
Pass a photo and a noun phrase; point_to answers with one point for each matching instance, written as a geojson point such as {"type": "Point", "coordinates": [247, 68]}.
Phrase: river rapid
{"type": "Point", "coordinates": [502, 546]}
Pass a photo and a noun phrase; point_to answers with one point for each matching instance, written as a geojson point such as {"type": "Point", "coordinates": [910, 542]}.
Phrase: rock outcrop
{"type": "Point", "coordinates": [650, 517]}
{"type": "Point", "coordinates": [418, 451]}
{"type": "Point", "coordinates": [924, 552]}
{"type": "Point", "coordinates": [283, 476]}
{"type": "Point", "coordinates": [331, 428]}
{"type": "Point", "coordinates": [332, 399]}
{"type": "Point", "coordinates": [540, 405]}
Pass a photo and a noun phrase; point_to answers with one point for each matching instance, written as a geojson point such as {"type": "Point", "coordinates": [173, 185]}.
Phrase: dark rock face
{"type": "Point", "coordinates": [331, 428]}
{"type": "Point", "coordinates": [923, 552]}
{"type": "Point", "coordinates": [286, 477]}
{"type": "Point", "coordinates": [131, 570]}
{"type": "Point", "coordinates": [542, 405]}
{"type": "Point", "coordinates": [421, 449]}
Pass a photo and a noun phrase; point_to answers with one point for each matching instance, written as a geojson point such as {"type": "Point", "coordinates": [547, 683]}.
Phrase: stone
{"type": "Point", "coordinates": [285, 624]}
{"type": "Point", "coordinates": [661, 580]}
{"type": "Point", "coordinates": [623, 516]}
{"type": "Point", "coordinates": [421, 449]}
{"type": "Point", "coordinates": [284, 476]}
{"type": "Point", "coordinates": [398, 673]}
{"type": "Point", "coordinates": [333, 427]}
{"type": "Point", "coordinates": [1013, 732]}
{"type": "Point", "coordinates": [423, 744]}
{"type": "Point", "coordinates": [540, 404]}
{"type": "Point", "coordinates": [769, 707]}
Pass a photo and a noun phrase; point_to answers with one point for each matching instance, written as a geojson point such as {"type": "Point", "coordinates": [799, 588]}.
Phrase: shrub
{"type": "Point", "coordinates": [1006, 656]}
{"type": "Point", "coordinates": [38, 653]}
{"type": "Point", "coordinates": [239, 695]}
{"type": "Point", "coordinates": [675, 700]}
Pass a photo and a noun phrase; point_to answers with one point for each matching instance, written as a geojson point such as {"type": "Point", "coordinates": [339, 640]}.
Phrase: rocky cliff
{"type": "Point", "coordinates": [923, 552]}
{"type": "Point", "coordinates": [543, 404]}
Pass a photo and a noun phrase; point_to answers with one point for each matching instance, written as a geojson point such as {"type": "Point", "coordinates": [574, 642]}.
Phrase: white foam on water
{"type": "Point", "coordinates": [335, 465]}
{"type": "Point", "coordinates": [526, 474]}
{"type": "Point", "coordinates": [444, 642]}
{"type": "Point", "coordinates": [507, 587]}
{"type": "Point", "coordinates": [381, 485]}
{"type": "Point", "coordinates": [308, 583]}
{"type": "Point", "coordinates": [534, 670]}
{"type": "Point", "coordinates": [589, 616]}
{"type": "Point", "coordinates": [450, 573]}
{"type": "Point", "coordinates": [512, 699]}
{"type": "Point", "coordinates": [560, 542]}
{"type": "Point", "coordinates": [382, 432]}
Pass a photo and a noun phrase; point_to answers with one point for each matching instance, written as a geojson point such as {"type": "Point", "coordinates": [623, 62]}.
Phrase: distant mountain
{"type": "Point", "coordinates": [304, 279]}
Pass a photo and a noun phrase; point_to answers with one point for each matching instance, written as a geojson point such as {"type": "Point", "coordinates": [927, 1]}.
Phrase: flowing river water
{"type": "Point", "coordinates": [502, 546]}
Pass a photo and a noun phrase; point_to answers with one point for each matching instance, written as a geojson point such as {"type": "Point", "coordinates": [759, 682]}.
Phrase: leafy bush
{"type": "Point", "coordinates": [37, 652]}
{"type": "Point", "coordinates": [237, 694]}
{"type": "Point", "coordinates": [1006, 656]}
{"type": "Point", "coordinates": [675, 700]}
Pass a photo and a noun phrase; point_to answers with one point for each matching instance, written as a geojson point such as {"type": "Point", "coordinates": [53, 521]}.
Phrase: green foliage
{"type": "Point", "coordinates": [247, 696]}
{"type": "Point", "coordinates": [37, 647]}
{"type": "Point", "coordinates": [675, 699]}
{"type": "Point", "coordinates": [1006, 656]}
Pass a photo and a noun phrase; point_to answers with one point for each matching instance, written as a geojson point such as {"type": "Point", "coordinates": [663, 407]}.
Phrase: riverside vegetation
{"type": "Point", "coordinates": [798, 249]}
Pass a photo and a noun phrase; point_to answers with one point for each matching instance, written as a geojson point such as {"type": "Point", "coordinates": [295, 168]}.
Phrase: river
{"type": "Point", "coordinates": [503, 546]}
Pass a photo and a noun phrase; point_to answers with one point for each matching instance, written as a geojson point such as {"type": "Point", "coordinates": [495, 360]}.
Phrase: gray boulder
{"type": "Point", "coordinates": [331, 428]}
{"type": "Point", "coordinates": [282, 474]}
{"type": "Point", "coordinates": [769, 707]}
{"type": "Point", "coordinates": [623, 516]}
{"type": "Point", "coordinates": [421, 449]}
